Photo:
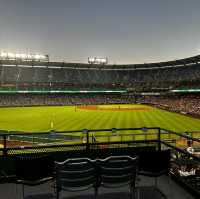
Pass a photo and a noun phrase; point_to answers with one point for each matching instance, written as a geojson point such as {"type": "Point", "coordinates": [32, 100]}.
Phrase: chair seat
{"type": "Point", "coordinates": [40, 196]}
{"type": "Point", "coordinates": [34, 183]}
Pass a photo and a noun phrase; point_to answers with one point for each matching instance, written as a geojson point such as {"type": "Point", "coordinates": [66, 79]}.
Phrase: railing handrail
{"type": "Point", "coordinates": [184, 135]}
{"type": "Point", "coordinates": [81, 144]}
{"type": "Point", "coordinates": [17, 133]}
{"type": "Point", "coordinates": [73, 131]}
{"type": "Point", "coordinates": [88, 133]}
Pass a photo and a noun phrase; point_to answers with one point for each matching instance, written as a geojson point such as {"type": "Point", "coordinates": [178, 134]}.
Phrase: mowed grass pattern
{"type": "Point", "coordinates": [41, 119]}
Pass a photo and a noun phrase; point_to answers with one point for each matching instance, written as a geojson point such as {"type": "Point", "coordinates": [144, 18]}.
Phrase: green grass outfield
{"type": "Point", "coordinates": [60, 118]}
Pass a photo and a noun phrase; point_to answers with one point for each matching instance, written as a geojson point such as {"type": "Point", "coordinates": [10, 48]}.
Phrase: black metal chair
{"type": "Point", "coordinates": [76, 175]}
{"type": "Point", "coordinates": [34, 170]}
{"type": "Point", "coordinates": [154, 164]}
{"type": "Point", "coordinates": [118, 171]}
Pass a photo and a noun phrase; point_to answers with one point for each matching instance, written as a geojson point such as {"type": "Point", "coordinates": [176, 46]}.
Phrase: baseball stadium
{"type": "Point", "coordinates": [99, 99]}
{"type": "Point", "coordinates": [94, 110]}
{"type": "Point", "coordinates": [42, 96]}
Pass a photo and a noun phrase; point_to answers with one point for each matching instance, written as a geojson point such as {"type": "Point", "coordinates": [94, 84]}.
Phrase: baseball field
{"type": "Point", "coordinates": [60, 118]}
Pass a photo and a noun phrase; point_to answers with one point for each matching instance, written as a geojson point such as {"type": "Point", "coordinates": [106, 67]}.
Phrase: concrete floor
{"type": "Point", "coordinates": [165, 184]}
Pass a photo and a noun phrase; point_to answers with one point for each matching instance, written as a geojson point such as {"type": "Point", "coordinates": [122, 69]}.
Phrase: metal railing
{"type": "Point", "coordinates": [87, 140]}
{"type": "Point", "coordinates": [14, 142]}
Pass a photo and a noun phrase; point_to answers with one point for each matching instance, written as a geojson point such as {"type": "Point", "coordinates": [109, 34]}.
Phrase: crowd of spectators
{"type": "Point", "coordinates": [140, 79]}
{"type": "Point", "coordinates": [62, 99]}
{"type": "Point", "coordinates": [186, 104]}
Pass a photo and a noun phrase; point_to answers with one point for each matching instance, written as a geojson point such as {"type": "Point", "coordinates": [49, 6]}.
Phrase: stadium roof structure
{"type": "Point", "coordinates": [169, 64]}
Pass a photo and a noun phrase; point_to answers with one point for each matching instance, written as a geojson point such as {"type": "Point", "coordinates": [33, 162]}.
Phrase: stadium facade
{"type": "Point", "coordinates": [182, 73]}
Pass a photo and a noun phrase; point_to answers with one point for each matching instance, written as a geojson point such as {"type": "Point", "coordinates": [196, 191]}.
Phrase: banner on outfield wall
{"type": "Point", "coordinates": [150, 93]}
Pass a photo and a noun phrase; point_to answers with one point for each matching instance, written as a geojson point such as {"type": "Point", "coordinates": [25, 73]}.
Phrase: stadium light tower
{"type": "Point", "coordinates": [23, 56]}
{"type": "Point", "coordinates": [97, 60]}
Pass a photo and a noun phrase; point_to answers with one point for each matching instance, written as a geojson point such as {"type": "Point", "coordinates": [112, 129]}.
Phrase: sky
{"type": "Point", "coordinates": [125, 31]}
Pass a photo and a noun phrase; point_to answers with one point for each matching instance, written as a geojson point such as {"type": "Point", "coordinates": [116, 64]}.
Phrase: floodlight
{"type": "Point", "coordinates": [3, 54]}
{"type": "Point", "coordinates": [17, 55]}
{"type": "Point", "coordinates": [30, 56]}
{"type": "Point", "coordinates": [37, 56]}
{"type": "Point", "coordinates": [23, 56]}
{"type": "Point", "coordinates": [97, 60]}
{"type": "Point", "coordinates": [11, 55]}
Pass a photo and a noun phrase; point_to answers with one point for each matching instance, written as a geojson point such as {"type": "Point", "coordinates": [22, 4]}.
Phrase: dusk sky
{"type": "Point", "coordinates": [125, 31]}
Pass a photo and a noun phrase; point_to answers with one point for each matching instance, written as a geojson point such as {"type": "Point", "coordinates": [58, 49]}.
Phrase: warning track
{"type": "Point", "coordinates": [114, 108]}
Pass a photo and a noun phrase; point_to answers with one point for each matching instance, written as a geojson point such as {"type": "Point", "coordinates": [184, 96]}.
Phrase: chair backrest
{"type": "Point", "coordinates": [75, 174]}
{"type": "Point", "coordinates": [117, 171]}
{"type": "Point", "coordinates": [32, 168]}
{"type": "Point", "coordinates": [154, 161]}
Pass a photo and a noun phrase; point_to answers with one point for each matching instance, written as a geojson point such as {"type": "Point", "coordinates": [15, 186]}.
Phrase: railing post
{"type": "Point", "coordinates": [88, 141]}
{"type": "Point", "coordinates": [133, 137]}
{"type": "Point", "coordinates": [159, 139]}
{"type": "Point", "coordinates": [86, 133]}
{"type": "Point", "coordinates": [4, 145]}
{"type": "Point", "coordinates": [144, 131]}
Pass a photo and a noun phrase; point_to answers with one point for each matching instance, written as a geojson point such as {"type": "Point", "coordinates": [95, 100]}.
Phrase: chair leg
{"type": "Point", "coordinates": [57, 194]}
{"type": "Point", "coordinates": [156, 182]}
{"type": "Point", "coordinates": [170, 186]}
{"type": "Point", "coordinates": [23, 191]}
{"type": "Point", "coordinates": [138, 193]}
{"type": "Point", "coordinates": [132, 191]}
{"type": "Point", "coordinates": [95, 192]}
{"type": "Point", "coordinates": [16, 189]}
